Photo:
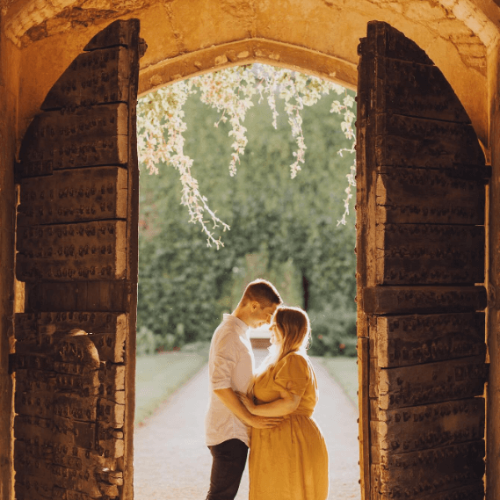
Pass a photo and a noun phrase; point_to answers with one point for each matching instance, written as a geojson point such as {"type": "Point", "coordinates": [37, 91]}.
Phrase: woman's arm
{"type": "Point", "coordinates": [286, 404]}
{"type": "Point", "coordinates": [228, 397]}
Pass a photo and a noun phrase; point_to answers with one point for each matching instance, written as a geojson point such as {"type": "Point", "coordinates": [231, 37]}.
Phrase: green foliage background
{"type": "Point", "coordinates": [281, 229]}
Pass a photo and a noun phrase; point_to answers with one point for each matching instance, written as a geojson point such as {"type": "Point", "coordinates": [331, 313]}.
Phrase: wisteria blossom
{"type": "Point", "coordinates": [231, 92]}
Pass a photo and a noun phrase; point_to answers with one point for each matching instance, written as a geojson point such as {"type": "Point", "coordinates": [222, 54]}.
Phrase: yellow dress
{"type": "Point", "coordinates": [290, 461]}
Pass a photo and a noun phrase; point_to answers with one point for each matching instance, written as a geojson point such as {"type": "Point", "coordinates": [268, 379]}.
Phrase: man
{"type": "Point", "coordinates": [231, 365]}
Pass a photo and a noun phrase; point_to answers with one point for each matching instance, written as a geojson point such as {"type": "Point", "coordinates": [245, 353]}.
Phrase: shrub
{"type": "Point", "coordinates": [150, 343]}
{"type": "Point", "coordinates": [333, 331]}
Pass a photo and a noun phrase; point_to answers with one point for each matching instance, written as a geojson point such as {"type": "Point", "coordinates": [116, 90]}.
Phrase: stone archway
{"type": "Point", "coordinates": [70, 289]}
{"type": "Point", "coordinates": [457, 35]}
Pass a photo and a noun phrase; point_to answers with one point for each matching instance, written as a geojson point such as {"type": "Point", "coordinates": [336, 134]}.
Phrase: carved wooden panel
{"type": "Point", "coordinates": [92, 78]}
{"type": "Point", "coordinates": [77, 253]}
{"type": "Point", "coordinates": [410, 340]}
{"type": "Point", "coordinates": [405, 430]}
{"type": "Point", "coordinates": [470, 492]}
{"type": "Point", "coordinates": [414, 89]}
{"type": "Point", "coordinates": [37, 332]}
{"type": "Point", "coordinates": [92, 250]}
{"type": "Point", "coordinates": [428, 383]}
{"type": "Point", "coordinates": [116, 34]}
{"type": "Point", "coordinates": [389, 42]}
{"type": "Point", "coordinates": [418, 196]}
{"type": "Point", "coordinates": [419, 474]}
{"type": "Point", "coordinates": [84, 137]}
{"type": "Point", "coordinates": [63, 395]}
{"type": "Point", "coordinates": [67, 196]}
{"type": "Point", "coordinates": [416, 142]}
{"type": "Point", "coordinates": [78, 296]}
{"type": "Point", "coordinates": [423, 299]}
{"type": "Point", "coordinates": [421, 179]}
{"type": "Point", "coordinates": [429, 254]}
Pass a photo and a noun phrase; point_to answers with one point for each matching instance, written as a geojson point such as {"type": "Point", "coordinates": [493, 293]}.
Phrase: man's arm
{"type": "Point", "coordinates": [287, 403]}
{"type": "Point", "coordinates": [231, 401]}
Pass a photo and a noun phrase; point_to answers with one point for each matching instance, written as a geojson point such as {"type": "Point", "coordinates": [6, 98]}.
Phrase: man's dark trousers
{"type": "Point", "coordinates": [229, 459]}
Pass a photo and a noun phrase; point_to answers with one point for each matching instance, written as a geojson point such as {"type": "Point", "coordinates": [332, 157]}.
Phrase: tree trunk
{"type": "Point", "coordinates": [305, 291]}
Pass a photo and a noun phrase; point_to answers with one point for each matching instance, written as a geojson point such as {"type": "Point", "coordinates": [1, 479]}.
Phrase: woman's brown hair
{"type": "Point", "coordinates": [292, 327]}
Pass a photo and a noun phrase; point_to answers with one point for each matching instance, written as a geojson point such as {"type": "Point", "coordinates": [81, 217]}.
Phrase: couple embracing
{"type": "Point", "coordinates": [269, 412]}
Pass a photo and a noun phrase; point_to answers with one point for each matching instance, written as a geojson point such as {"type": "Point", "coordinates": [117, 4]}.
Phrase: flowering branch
{"type": "Point", "coordinates": [231, 91]}
{"type": "Point", "coordinates": [346, 126]}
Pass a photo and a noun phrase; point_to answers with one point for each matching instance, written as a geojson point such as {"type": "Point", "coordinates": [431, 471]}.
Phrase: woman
{"type": "Point", "coordinates": [290, 461]}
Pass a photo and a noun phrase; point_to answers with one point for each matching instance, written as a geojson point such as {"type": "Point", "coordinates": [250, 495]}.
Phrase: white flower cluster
{"type": "Point", "coordinates": [161, 124]}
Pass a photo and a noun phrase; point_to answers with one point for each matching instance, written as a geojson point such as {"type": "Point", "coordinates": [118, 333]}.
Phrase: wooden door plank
{"type": "Point", "coordinates": [98, 77]}
{"type": "Point", "coordinates": [414, 89]}
{"type": "Point", "coordinates": [425, 427]}
{"type": "Point", "coordinates": [49, 404]}
{"type": "Point", "coordinates": [38, 333]}
{"type": "Point", "coordinates": [419, 196]}
{"type": "Point", "coordinates": [418, 474]}
{"type": "Point", "coordinates": [73, 458]}
{"type": "Point", "coordinates": [429, 383]}
{"type": "Point", "coordinates": [84, 296]}
{"type": "Point", "coordinates": [408, 141]}
{"type": "Point", "coordinates": [85, 251]}
{"type": "Point", "coordinates": [364, 226]}
{"type": "Point", "coordinates": [37, 488]}
{"type": "Point", "coordinates": [87, 194]}
{"type": "Point", "coordinates": [470, 492]}
{"type": "Point", "coordinates": [416, 339]}
{"type": "Point", "coordinates": [138, 48]}
{"type": "Point", "coordinates": [429, 254]}
{"type": "Point", "coordinates": [55, 430]}
{"type": "Point", "coordinates": [384, 40]}
{"type": "Point", "coordinates": [86, 137]}
{"type": "Point", "coordinates": [424, 299]}
{"type": "Point", "coordinates": [118, 33]}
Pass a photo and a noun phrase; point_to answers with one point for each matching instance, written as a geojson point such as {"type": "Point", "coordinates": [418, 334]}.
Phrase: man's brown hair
{"type": "Point", "coordinates": [263, 292]}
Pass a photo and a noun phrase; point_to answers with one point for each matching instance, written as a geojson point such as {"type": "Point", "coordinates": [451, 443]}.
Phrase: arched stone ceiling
{"type": "Point", "coordinates": [30, 20]}
{"type": "Point", "coordinates": [186, 37]}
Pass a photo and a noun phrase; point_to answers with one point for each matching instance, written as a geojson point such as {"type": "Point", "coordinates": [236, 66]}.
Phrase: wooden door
{"type": "Point", "coordinates": [421, 180]}
{"type": "Point", "coordinates": [77, 254]}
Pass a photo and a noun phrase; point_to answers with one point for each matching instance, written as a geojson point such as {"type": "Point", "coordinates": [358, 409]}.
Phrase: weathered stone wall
{"type": "Point", "coordinates": [203, 41]}
{"type": "Point", "coordinates": [493, 260]}
{"type": "Point", "coordinates": [458, 37]}
{"type": "Point", "coordinates": [9, 91]}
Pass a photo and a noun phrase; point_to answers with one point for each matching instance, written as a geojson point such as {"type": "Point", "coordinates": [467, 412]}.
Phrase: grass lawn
{"type": "Point", "coordinates": [345, 371]}
{"type": "Point", "coordinates": [159, 375]}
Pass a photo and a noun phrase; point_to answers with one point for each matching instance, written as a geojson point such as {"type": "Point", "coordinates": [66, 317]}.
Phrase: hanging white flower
{"type": "Point", "coordinates": [160, 120]}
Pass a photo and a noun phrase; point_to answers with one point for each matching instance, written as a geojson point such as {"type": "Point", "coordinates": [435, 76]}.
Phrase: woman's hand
{"type": "Point", "coordinates": [247, 402]}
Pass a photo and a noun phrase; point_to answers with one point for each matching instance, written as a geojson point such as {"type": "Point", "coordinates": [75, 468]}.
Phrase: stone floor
{"type": "Point", "coordinates": [172, 462]}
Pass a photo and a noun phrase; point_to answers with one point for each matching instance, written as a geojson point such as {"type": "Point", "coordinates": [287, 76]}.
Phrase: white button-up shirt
{"type": "Point", "coordinates": [230, 365]}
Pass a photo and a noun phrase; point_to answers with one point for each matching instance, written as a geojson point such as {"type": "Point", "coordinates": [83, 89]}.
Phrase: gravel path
{"type": "Point", "coordinates": [173, 463]}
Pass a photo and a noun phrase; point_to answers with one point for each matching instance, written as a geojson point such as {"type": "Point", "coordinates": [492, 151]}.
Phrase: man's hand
{"type": "Point", "coordinates": [231, 400]}
{"type": "Point", "coordinates": [287, 403]}
{"type": "Point", "coordinates": [247, 401]}
{"type": "Point", "coordinates": [255, 421]}
{"type": "Point", "coordinates": [265, 422]}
